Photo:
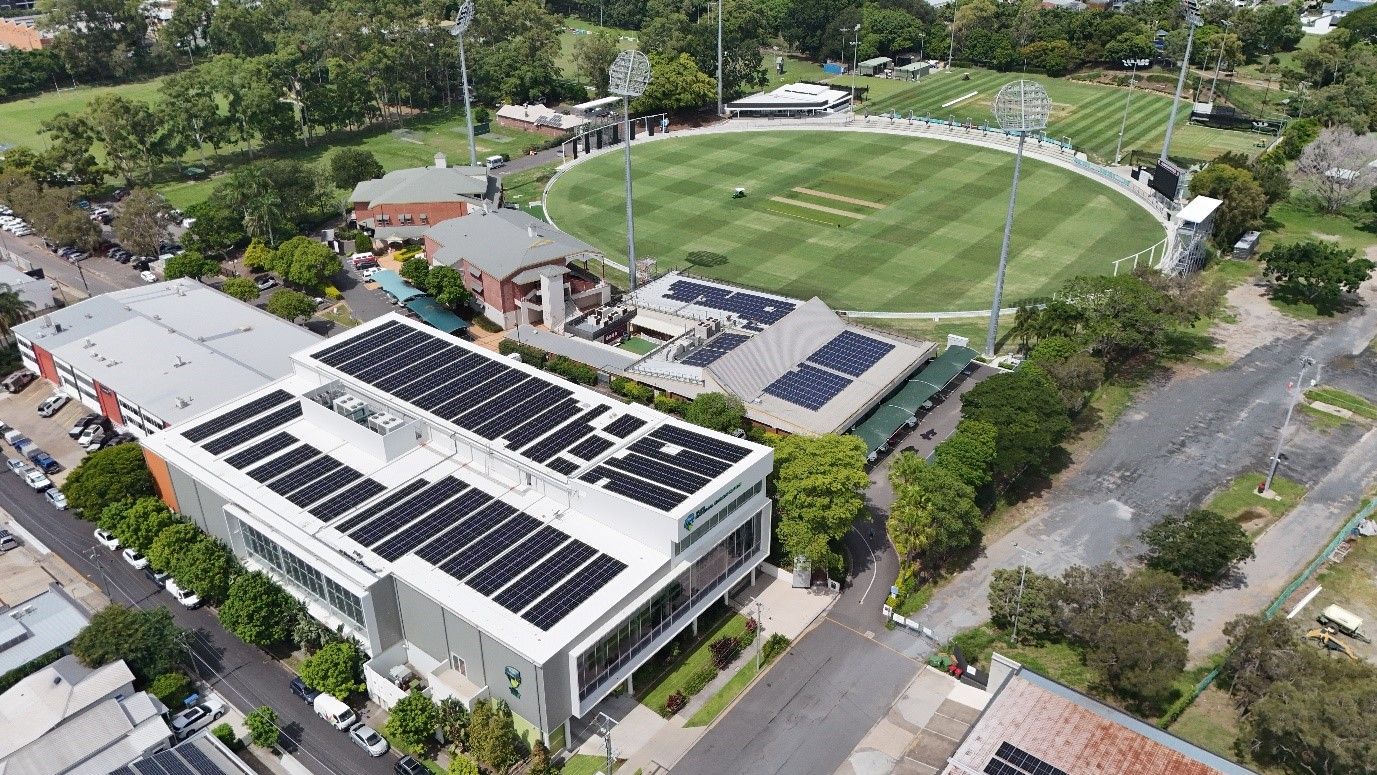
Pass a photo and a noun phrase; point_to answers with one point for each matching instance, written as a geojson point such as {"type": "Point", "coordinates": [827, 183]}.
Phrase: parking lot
{"type": "Point", "coordinates": [20, 411]}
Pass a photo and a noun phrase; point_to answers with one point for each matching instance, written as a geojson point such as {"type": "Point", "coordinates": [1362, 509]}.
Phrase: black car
{"type": "Point", "coordinates": [409, 766]}
{"type": "Point", "coordinates": [79, 427]}
{"type": "Point", "coordinates": [156, 576]}
{"type": "Point", "coordinates": [141, 263]}
{"type": "Point", "coordinates": [306, 693]}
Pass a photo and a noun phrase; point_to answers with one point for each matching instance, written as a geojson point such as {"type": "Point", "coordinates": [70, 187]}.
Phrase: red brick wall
{"type": "Point", "coordinates": [435, 211]}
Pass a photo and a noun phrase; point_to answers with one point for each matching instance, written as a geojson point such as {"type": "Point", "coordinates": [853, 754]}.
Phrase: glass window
{"type": "Point", "coordinates": [302, 575]}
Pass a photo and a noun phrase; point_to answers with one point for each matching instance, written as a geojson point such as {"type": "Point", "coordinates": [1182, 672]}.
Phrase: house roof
{"type": "Point", "coordinates": [38, 625]}
{"type": "Point", "coordinates": [502, 242]}
{"type": "Point", "coordinates": [541, 116]}
{"type": "Point", "coordinates": [875, 62]}
{"type": "Point", "coordinates": [423, 184]}
{"type": "Point", "coordinates": [37, 704]}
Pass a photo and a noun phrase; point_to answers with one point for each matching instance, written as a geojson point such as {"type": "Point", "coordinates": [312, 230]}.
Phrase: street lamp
{"type": "Point", "coordinates": [628, 77]}
{"type": "Point", "coordinates": [1021, 107]}
{"type": "Point", "coordinates": [1218, 62]}
{"type": "Point", "coordinates": [1277, 455]}
{"type": "Point", "coordinates": [462, 20]}
{"type": "Point", "coordinates": [1022, 574]}
{"type": "Point", "coordinates": [1192, 21]}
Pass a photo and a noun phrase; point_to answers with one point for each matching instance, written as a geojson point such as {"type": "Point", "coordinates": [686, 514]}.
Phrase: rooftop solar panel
{"type": "Point", "coordinates": [686, 482]}
{"type": "Point", "coordinates": [714, 349]}
{"type": "Point", "coordinates": [542, 424]}
{"type": "Point", "coordinates": [762, 310]}
{"type": "Point", "coordinates": [563, 466]}
{"type": "Point", "coordinates": [624, 426]}
{"type": "Point", "coordinates": [699, 442]}
{"type": "Point", "coordinates": [355, 342]}
{"type": "Point", "coordinates": [537, 580]}
{"type": "Point", "coordinates": [689, 460]}
{"type": "Point", "coordinates": [283, 463]}
{"type": "Point", "coordinates": [304, 475]}
{"type": "Point", "coordinates": [236, 415]}
{"type": "Point", "coordinates": [269, 446]}
{"type": "Point", "coordinates": [497, 541]}
{"type": "Point", "coordinates": [224, 443]}
{"type": "Point", "coordinates": [484, 517]}
{"type": "Point", "coordinates": [565, 437]}
{"type": "Point", "coordinates": [425, 528]}
{"type": "Point", "coordinates": [569, 595]}
{"type": "Point", "coordinates": [808, 387]}
{"type": "Point", "coordinates": [850, 353]}
{"type": "Point", "coordinates": [639, 490]}
{"type": "Point", "coordinates": [322, 487]}
{"type": "Point", "coordinates": [393, 498]}
{"type": "Point", "coordinates": [198, 760]}
{"type": "Point", "coordinates": [365, 343]}
{"type": "Point", "coordinates": [517, 559]}
{"type": "Point", "coordinates": [351, 497]}
{"type": "Point", "coordinates": [413, 507]}
{"type": "Point", "coordinates": [590, 447]}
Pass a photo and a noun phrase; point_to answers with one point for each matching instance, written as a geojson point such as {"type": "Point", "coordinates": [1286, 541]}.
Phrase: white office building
{"type": "Point", "coordinates": [482, 527]}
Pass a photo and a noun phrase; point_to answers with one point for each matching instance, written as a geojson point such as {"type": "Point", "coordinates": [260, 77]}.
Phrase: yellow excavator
{"type": "Point", "coordinates": [1325, 636]}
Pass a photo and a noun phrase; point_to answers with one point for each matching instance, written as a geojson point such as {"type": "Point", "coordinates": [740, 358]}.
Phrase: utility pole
{"type": "Point", "coordinates": [759, 633]}
{"type": "Point", "coordinates": [94, 556]}
{"type": "Point", "coordinates": [1022, 574]}
{"type": "Point", "coordinates": [605, 725]}
{"type": "Point", "coordinates": [1299, 390]}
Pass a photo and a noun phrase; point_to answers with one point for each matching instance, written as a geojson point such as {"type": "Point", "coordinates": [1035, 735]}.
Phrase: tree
{"type": "Point", "coordinates": [336, 669]}
{"type": "Point", "coordinates": [1335, 169]}
{"type": "Point", "coordinates": [216, 230]}
{"type": "Point", "coordinates": [189, 263]}
{"type": "Point", "coordinates": [351, 166]}
{"type": "Point", "coordinates": [453, 721]}
{"type": "Point", "coordinates": [170, 688]}
{"type": "Point", "coordinates": [1315, 272]}
{"type": "Point", "coordinates": [969, 452]}
{"type": "Point", "coordinates": [258, 256]}
{"type": "Point", "coordinates": [1138, 660]}
{"type": "Point", "coordinates": [1118, 318]}
{"type": "Point", "coordinates": [134, 137]}
{"type": "Point", "coordinates": [412, 721]}
{"type": "Point", "coordinates": [516, 62]}
{"type": "Point", "coordinates": [1028, 415]}
{"type": "Point", "coordinates": [101, 39]}
{"type": "Point", "coordinates": [137, 524]}
{"type": "Point", "coordinates": [676, 85]}
{"type": "Point", "coordinates": [1029, 597]}
{"type": "Point", "coordinates": [172, 544]}
{"type": "Point", "coordinates": [73, 228]}
{"type": "Point", "coordinates": [593, 56]}
{"type": "Point", "coordinates": [306, 262]}
{"type": "Point", "coordinates": [189, 106]}
{"type": "Point", "coordinates": [108, 476]}
{"type": "Point", "coordinates": [1077, 377]}
{"type": "Point", "coordinates": [262, 725]}
{"type": "Point", "coordinates": [146, 639]}
{"type": "Point", "coordinates": [416, 270]}
{"type": "Point", "coordinates": [718, 411]}
{"type": "Point", "coordinates": [1314, 725]}
{"type": "Point", "coordinates": [1130, 45]}
{"type": "Point", "coordinates": [820, 483]}
{"type": "Point", "coordinates": [141, 222]}
{"type": "Point", "coordinates": [13, 309]}
{"type": "Point", "coordinates": [539, 762]}
{"type": "Point", "coordinates": [290, 305]}
{"type": "Point", "coordinates": [1244, 201]}
{"type": "Point", "coordinates": [1089, 599]}
{"type": "Point", "coordinates": [492, 738]}
{"type": "Point", "coordinates": [446, 284]}
{"type": "Point", "coordinates": [1200, 547]}
{"type": "Point", "coordinates": [933, 517]}
{"type": "Point", "coordinates": [1055, 57]}
{"type": "Point", "coordinates": [241, 288]}
{"type": "Point", "coordinates": [258, 610]}
{"type": "Point", "coordinates": [1261, 652]}
{"type": "Point", "coordinates": [460, 764]}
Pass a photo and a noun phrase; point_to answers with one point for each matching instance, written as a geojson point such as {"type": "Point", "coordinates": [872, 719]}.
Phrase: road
{"type": "Point", "coordinates": [243, 675]}
{"type": "Point", "coordinates": [94, 276]}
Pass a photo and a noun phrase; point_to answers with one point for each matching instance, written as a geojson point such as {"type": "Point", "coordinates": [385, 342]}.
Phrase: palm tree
{"type": "Point", "coordinates": [12, 310]}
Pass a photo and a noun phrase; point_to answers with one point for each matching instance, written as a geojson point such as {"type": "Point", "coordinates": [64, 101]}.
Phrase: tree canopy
{"type": "Point", "coordinates": [351, 166]}
{"type": "Point", "coordinates": [141, 223]}
{"type": "Point", "coordinates": [1200, 547]}
{"type": "Point", "coordinates": [108, 476]}
{"type": "Point", "coordinates": [412, 721]}
{"type": "Point", "coordinates": [258, 610]}
{"type": "Point", "coordinates": [191, 264]}
{"type": "Point", "coordinates": [145, 638]}
{"type": "Point", "coordinates": [1244, 201]}
{"type": "Point", "coordinates": [336, 669]}
{"type": "Point", "coordinates": [290, 305]}
{"type": "Point", "coordinates": [1315, 272]}
{"type": "Point", "coordinates": [241, 288]}
{"type": "Point", "coordinates": [933, 516]}
{"type": "Point", "coordinates": [820, 486]}
{"type": "Point", "coordinates": [137, 524]}
{"type": "Point", "coordinates": [718, 411]}
{"type": "Point", "coordinates": [1027, 413]}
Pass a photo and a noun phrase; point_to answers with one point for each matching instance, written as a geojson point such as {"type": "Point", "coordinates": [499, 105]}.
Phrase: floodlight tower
{"type": "Point", "coordinates": [462, 20]}
{"type": "Point", "coordinates": [1192, 21]}
{"type": "Point", "coordinates": [628, 77]}
{"type": "Point", "coordinates": [1021, 107]}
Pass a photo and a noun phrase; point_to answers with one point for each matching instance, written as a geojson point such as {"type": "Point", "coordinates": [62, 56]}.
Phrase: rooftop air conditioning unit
{"type": "Point", "coordinates": [383, 423]}
{"type": "Point", "coordinates": [351, 407]}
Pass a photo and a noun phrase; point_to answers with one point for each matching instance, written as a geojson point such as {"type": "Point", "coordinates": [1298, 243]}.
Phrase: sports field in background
{"type": "Point", "coordinates": [864, 221]}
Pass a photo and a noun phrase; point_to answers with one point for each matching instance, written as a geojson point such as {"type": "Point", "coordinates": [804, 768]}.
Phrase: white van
{"type": "Point", "coordinates": [493, 162]}
{"type": "Point", "coordinates": [339, 715]}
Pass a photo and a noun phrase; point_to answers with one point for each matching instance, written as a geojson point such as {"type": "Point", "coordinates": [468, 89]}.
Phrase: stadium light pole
{"type": "Point", "coordinates": [1191, 22]}
{"type": "Point", "coordinates": [1298, 389]}
{"type": "Point", "coordinates": [1218, 63]}
{"type": "Point", "coordinates": [1128, 99]}
{"type": "Point", "coordinates": [855, 55]}
{"type": "Point", "coordinates": [462, 20]}
{"type": "Point", "coordinates": [719, 58]}
{"type": "Point", "coordinates": [628, 77]}
{"type": "Point", "coordinates": [1020, 107]}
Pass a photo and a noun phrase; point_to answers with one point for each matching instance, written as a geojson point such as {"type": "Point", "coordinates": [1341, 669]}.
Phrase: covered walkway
{"type": "Point", "coordinates": [393, 283]}
{"type": "Point", "coordinates": [437, 316]}
{"type": "Point", "coordinates": [901, 407]}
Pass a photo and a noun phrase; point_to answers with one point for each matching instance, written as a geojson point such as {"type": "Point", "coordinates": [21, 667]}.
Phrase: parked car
{"type": "Point", "coordinates": [81, 424]}
{"type": "Point", "coordinates": [370, 271]}
{"type": "Point", "coordinates": [136, 561]}
{"type": "Point", "coordinates": [104, 538]}
{"type": "Point", "coordinates": [409, 766]}
{"type": "Point", "coordinates": [368, 739]}
{"type": "Point", "coordinates": [265, 282]}
{"type": "Point", "coordinates": [37, 480]}
{"type": "Point", "coordinates": [119, 194]}
{"type": "Point", "coordinates": [51, 406]}
{"type": "Point", "coordinates": [303, 690]}
{"type": "Point", "coordinates": [16, 439]}
{"type": "Point", "coordinates": [97, 441]}
{"type": "Point", "coordinates": [339, 715]}
{"type": "Point", "coordinates": [186, 597]}
{"type": "Point", "coordinates": [18, 380]}
{"type": "Point", "coordinates": [156, 576]}
{"type": "Point", "coordinates": [192, 720]}
{"type": "Point", "coordinates": [7, 541]}
{"type": "Point", "coordinates": [92, 430]}
{"type": "Point", "coordinates": [17, 467]}
{"type": "Point", "coordinates": [56, 498]}
{"type": "Point", "coordinates": [44, 461]}
{"type": "Point", "coordinates": [148, 276]}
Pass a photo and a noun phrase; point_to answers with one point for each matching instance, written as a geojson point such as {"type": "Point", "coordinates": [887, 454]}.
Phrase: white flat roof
{"type": "Point", "coordinates": [1198, 209]}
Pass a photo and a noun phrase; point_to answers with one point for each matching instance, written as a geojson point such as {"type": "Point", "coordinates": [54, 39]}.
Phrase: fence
{"type": "Point", "coordinates": [1151, 257]}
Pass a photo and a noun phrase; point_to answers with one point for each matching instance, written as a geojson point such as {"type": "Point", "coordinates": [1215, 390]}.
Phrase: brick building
{"type": "Point", "coordinates": [521, 269]}
{"type": "Point", "coordinates": [401, 205]}
{"type": "Point", "coordinates": [23, 34]}
{"type": "Point", "coordinates": [539, 119]}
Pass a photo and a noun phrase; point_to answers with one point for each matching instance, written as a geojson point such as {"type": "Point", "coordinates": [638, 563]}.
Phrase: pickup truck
{"type": "Point", "coordinates": [44, 461]}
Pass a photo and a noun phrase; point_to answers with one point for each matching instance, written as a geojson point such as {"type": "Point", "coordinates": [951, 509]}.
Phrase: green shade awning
{"type": "Point", "coordinates": [436, 316]}
{"type": "Point", "coordinates": [395, 285]}
{"type": "Point", "coordinates": [903, 404]}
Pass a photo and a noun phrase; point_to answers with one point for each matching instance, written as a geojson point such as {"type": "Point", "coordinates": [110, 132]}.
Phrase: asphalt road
{"type": "Point", "coordinates": [243, 675]}
{"type": "Point", "coordinates": [95, 275]}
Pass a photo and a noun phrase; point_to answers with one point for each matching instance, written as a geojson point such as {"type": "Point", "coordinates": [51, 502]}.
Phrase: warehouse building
{"type": "Point", "coordinates": [485, 529]}
{"type": "Point", "coordinates": [155, 355]}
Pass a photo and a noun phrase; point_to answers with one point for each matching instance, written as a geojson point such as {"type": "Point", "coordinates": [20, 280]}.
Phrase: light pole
{"type": "Point", "coordinates": [719, 57]}
{"type": "Point", "coordinates": [1022, 574]}
{"type": "Point", "coordinates": [462, 20]}
{"type": "Point", "coordinates": [1191, 22]}
{"type": "Point", "coordinates": [1218, 63]}
{"type": "Point", "coordinates": [628, 77]}
{"type": "Point", "coordinates": [605, 725]}
{"type": "Point", "coordinates": [1306, 363]}
{"type": "Point", "coordinates": [94, 556]}
{"type": "Point", "coordinates": [855, 55]}
{"type": "Point", "coordinates": [759, 631]}
{"type": "Point", "coordinates": [1128, 98]}
{"type": "Point", "coordinates": [1020, 107]}
{"type": "Point", "coordinates": [951, 49]}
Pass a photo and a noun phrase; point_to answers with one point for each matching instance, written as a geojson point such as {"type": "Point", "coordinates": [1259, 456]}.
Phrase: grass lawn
{"type": "Point", "coordinates": [638, 345]}
{"type": "Point", "coordinates": [918, 222]}
{"type": "Point", "coordinates": [1344, 400]}
{"type": "Point", "coordinates": [727, 694]}
{"type": "Point", "coordinates": [575, 28]}
{"type": "Point", "coordinates": [583, 764]}
{"type": "Point", "coordinates": [1290, 222]}
{"type": "Point", "coordinates": [1058, 661]}
{"type": "Point", "coordinates": [658, 678]}
{"type": "Point", "coordinates": [19, 119]}
{"type": "Point", "coordinates": [1241, 502]}
{"type": "Point", "coordinates": [1210, 722]}
{"type": "Point", "coordinates": [937, 330]}
{"type": "Point", "coordinates": [1348, 584]}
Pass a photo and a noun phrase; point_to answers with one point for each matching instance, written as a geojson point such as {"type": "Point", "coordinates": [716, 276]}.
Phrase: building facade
{"type": "Point", "coordinates": [401, 205]}
{"type": "Point", "coordinates": [483, 528]}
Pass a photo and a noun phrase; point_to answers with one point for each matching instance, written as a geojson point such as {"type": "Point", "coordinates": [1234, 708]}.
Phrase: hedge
{"type": "Point", "coordinates": [532, 355]}
{"type": "Point", "coordinates": [573, 370]}
{"type": "Point", "coordinates": [629, 388]}
{"type": "Point", "coordinates": [8, 680]}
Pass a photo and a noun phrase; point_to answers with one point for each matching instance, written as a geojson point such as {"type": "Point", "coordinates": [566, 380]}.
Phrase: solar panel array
{"type": "Point", "coordinates": [851, 353]}
{"type": "Point", "coordinates": [1012, 760]}
{"type": "Point", "coordinates": [714, 348]}
{"type": "Point", "coordinates": [761, 310]}
{"type": "Point", "coordinates": [185, 759]}
{"type": "Point", "coordinates": [666, 466]}
{"type": "Point", "coordinates": [235, 416]}
{"type": "Point", "coordinates": [808, 387]}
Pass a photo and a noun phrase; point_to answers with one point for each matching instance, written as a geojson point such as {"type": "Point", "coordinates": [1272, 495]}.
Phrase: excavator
{"type": "Point", "coordinates": [1325, 636]}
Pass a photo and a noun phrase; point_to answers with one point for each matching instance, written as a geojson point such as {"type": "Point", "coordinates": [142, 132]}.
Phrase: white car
{"type": "Point", "coordinates": [56, 498]}
{"type": "Point", "coordinates": [192, 720]}
{"type": "Point", "coordinates": [148, 276]}
{"type": "Point", "coordinates": [370, 271]}
{"type": "Point", "coordinates": [95, 443]}
{"type": "Point", "coordinates": [37, 480]}
{"type": "Point", "coordinates": [368, 739]}
{"type": "Point", "coordinates": [19, 467]}
{"type": "Point", "coordinates": [104, 538]}
{"type": "Point", "coordinates": [186, 597]}
{"type": "Point", "coordinates": [136, 560]}
{"type": "Point", "coordinates": [52, 405]}
{"type": "Point", "coordinates": [90, 433]}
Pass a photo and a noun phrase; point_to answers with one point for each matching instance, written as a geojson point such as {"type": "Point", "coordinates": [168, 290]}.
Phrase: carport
{"type": "Point", "coordinates": [393, 283]}
{"type": "Point", "coordinates": [901, 407]}
{"type": "Point", "coordinates": [436, 316]}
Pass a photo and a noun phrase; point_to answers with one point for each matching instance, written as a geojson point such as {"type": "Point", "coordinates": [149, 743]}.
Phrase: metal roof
{"type": "Point", "coordinates": [905, 402]}
{"type": "Point", "coordinates": [423, 185]}
{"type": "Point", "coordinates": [435, 315]}
{"type": "Point", "coordinates": [395, 285]}
{"type": "Point", "coordinates": [502, 242]}
{"type": "Point", "coordinates": [44, 622]}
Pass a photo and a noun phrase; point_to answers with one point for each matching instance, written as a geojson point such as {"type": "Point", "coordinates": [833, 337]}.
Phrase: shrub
{"type": "Point", "coordinates": [724, 650]}
{"type": "Point", "coordinates": [262, 726]}
{"type": "Point", "coordinates": [669, 404]}
{"type": "Point", "coordinates": [463, 765]}
{"type": "Point", "coordinates": [698, 680]}
{"type": "Point", "coordinates": [675, 703]}
{"type": "Point", "coordinates": [28, 668]}
{"type": "Point", "coordinates": [628, 388]}
{"type": "Point", "coordinates": [747, 638]}
{"type": "Point", "coordinates": [774, 646]}
{"type": "Point", "coordinates": [170, 689]}
{"type": "Point", "coordinates": [225, 734]}
{"type": "Point", "coordinates": [572, 370]}
{"type": "Point", "coordinates": [532, 355]}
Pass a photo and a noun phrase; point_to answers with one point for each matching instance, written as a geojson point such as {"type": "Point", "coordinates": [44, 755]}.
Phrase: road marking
{"type": "Point", "coordinates": [873, 569]}
{"type": "Point", "coordinates": [877, 642]}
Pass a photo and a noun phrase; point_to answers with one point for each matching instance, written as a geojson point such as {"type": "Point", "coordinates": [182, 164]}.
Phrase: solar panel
{"type": "Point", "coordinates": [198, 760]}
{"type": "Point", "coordinates": [235, 416]}
{"type": "Point", "coordinates": [304, 475]}
{"type": "Point", "coordinates": [428, 365]}
{"type": "Point", "coordinates": [637, 490]}
{"type": "Point", "coordinates": [590, 447]}
{"type": "Point", "coordinates": [684, 481]}
{"type": "Point", "coordinates": [538, 580]}
{"type": "Point", "coordinates": [497, 541]}
{"type": "Point", "coordinates": [378, 337]}
{"type": "Point", "coordinates": [699, 442]}
{"type": "Point", "coordinates": [564, 598]}
{"type": "Point", "coordinates": [326, 352]}
{"type": "Point", "coordinates": [517, 559]}
{"type": "Point", "coordinates": [516, 410]}
{"type": "Point", "coordinates": [174, 765]}
{"type": "Point", "coordinates": [455, 390]}
{"type": "Point", "coordinates": [148, 767]}
{"type": "Point", "coordinates": [487, 515]}
{"type": "Point", "coordinates": [283, 463]}
{"type": "Point", "coordinates": [850, 353]}
{"type": "Point", "coordinates": [470, 400]}
{"type": "Point", "coordinates": [763, 310]}
{"type": "Point", "coordinates": [393, 498]}
{"type": "Point", "coordinates": [270, 446]}
{"type": "Point", "coordinates": [624, 426]}
{"type": "Point", "coordinates": [440, 381]}
{"type": "Point", "coordinates": [689, 460]}
{"type": "Point", "coordinates": [565, 437]}
{"type": "Point", "coordinates": [563, 466]}
{"type": "Point", "coordinates": [542, 424]}
{"type": "Point", "coordinates": [327, 483]}
{"type": "Point", "coordinates": [481, 414]}
{"type": "Point", "coordinates": [413, 507]}
{"type": "Point", "coordinates": [1022, 762]}
{"type": "Point", "coordinates": [379, 363]}
{"type": "Point", "coordinates": [714, 348]}
{"type": "Point", "coordinates": [808, 387]}
{"type": "Point", "coordinates": [253, 430]}
{"type": "Point", "coordinates": [347, 500]}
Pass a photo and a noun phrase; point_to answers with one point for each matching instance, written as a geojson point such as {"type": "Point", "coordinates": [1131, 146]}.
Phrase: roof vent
{"type": "Point", "coordinates": [57, 679]}
{"type": "Point", "coordinates": [87, 343]}
{"type": "Point", "coordinates": [383, 423]}
{"type": "Point", "coordinates": [183, 403]}
{"type": "Point", "coordinates": [179, 362]}
{"type": "Point", "coordinates": [246, 328]}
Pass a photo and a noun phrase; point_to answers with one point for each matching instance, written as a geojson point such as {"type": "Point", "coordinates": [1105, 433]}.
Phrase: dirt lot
{"type": "Point", "coordinates": [1352, 584]}
{"type": "Point", "coordinates": [20, 411]}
